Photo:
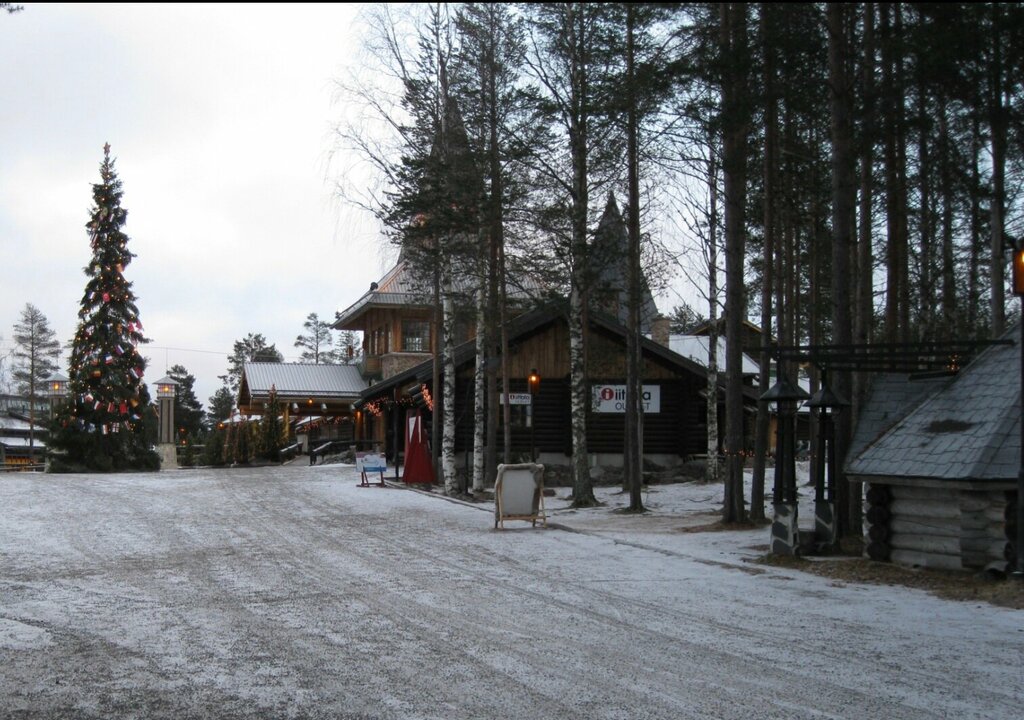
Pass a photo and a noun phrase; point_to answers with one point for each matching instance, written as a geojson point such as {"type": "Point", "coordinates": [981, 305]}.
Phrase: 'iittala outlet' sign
{"type": "Point", "coordinates": [612, 398]}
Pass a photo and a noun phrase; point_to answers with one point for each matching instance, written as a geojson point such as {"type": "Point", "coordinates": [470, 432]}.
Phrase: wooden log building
{"type": "Point", "coordinates": [940, 458]}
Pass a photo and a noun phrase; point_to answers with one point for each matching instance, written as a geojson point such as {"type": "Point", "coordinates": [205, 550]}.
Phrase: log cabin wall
{"type": "Point", "coordinates": [679, 428]}
{"type": "Point", "coordinates": [950, 528]}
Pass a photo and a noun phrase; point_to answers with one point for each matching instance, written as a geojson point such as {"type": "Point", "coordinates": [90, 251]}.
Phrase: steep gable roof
{"type": "Point", "coordinates": [611, 253]}
{"type": "Point", "coordinates": [403, 287]}
{"type": "Point", "coordinates": [400, 287]}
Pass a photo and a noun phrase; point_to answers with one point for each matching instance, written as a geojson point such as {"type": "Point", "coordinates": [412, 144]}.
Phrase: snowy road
{"type": "Point", "coordinates": [290, 592]}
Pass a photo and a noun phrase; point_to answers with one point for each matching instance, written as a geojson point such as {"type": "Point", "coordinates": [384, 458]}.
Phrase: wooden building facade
{"type": "Point", "coordinates": [674, 427]}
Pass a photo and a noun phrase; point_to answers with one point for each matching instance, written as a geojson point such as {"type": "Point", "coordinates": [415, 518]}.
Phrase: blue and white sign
{"type": "Point", "coordinates": [371, 462]}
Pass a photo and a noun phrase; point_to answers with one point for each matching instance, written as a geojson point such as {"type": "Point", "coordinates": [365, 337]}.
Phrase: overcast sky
{"type": "Point", "coordinates": [220, 119]}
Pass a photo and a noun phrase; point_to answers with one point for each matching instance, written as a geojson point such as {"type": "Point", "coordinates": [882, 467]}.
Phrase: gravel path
{"type": "Point", "coordinates": [289, 592]}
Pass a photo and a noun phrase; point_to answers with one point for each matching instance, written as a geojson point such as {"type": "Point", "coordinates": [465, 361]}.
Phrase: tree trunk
{"type": "Point", "coordinates": [998, 129]}
{"type": "Point", "coordinates": [448, 441]}
{"type": "Point", "coordinates": [736, 127]}
{"type": "Point", "coordinates": [480, 391]}
{"type": "Point", "coordinates": [583, 489]}
{"type": "Point", "coordinates": [927, 301]}
{"type": "Point", "coordinates": [435, 377]}
{"type": "Point", "coordinates": [892, 207]}
{"type": "Point", "coordinates": [843, 199]}
{"type": "Point", "coordinates": [903, 203]}
{"type": "Point", "coordinates": [770, 171]}
{"type": "Point", "coordinates": [634, 402]}
{"type": "Point", "coordinates": [974, 264]}
{"type": "Point", "coordinates": [948, 201]}
{"type": "Point", "coordinates": [711, 473]}
{"type": "Point", "coordinates": [864, 320]}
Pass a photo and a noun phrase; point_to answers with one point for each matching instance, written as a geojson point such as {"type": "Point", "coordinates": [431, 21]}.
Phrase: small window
{"type": "Point", "coordinates": [415, 336]}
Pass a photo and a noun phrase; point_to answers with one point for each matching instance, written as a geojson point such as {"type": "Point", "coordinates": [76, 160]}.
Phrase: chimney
{"type": "Point", "coordinates": [660, 330]}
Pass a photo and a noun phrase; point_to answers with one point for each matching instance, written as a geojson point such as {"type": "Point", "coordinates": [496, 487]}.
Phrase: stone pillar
{"type": "Point", "coordinates": [825, 523]}
{"type": "Point", "coordinates": [785, 538]}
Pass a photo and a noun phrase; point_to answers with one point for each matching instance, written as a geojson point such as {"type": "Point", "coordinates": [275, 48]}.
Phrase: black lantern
{"type": "Point", "coordinates": [825, 404]}
{"type": "Point", "coordinates": [786, 397]}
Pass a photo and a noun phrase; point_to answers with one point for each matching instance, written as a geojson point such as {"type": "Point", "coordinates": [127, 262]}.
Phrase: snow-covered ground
{"type": "Point", "coordinates": [291, 592]}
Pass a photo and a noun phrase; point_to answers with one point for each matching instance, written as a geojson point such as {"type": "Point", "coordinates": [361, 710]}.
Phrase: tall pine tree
{"type": "Point", "coordinates": [108, 424]}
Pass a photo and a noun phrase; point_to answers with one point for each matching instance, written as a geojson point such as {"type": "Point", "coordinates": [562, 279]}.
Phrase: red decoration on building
{"type": "Point", "coordinates": [418, 467]}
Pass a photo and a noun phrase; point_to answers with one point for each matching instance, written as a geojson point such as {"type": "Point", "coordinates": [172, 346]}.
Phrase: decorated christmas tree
{"type": "Point", "coordinates": [108, 423]}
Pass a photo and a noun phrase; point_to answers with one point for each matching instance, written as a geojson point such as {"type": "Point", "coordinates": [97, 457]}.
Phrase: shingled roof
{"type": "Point", "coordinates": [967, 428]}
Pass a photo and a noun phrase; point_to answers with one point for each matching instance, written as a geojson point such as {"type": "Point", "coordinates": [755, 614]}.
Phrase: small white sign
{"type": "Point", "coordinates": [371, 462]}
{"type": "Point", "coordinates": [516, 399]}
{"type": "Point", "coordinates": [612, 398]}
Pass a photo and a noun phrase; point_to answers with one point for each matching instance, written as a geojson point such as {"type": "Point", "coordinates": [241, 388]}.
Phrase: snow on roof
{"type": "Point", "coordinates": [13, 423]}
{"type": "Point", "coordinates": [967, 429]}
{"type": "Point", "coordinates": [19, 442]}
{"type": "Point", "coordinates": [298, 379]}
{"type": "Point", "coordinates": [696, 348]}
{"type": "Point", "coordinates": [400, 287]}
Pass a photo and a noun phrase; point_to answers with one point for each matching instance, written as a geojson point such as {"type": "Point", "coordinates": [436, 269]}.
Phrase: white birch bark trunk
{"type": "Point", "coordinates": [711, 470]}
{"type": "Point", "coordinates": [583, 491]}
{"type": "Point", "coordinates": [448, 397]}
{"type": "Point", "coordinates": [479, 391]}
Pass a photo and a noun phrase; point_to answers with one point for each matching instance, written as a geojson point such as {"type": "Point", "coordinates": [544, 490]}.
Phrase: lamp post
{"type": "Point", "coordinates": [56, 390]}
{"type": "Point", "coordinates": [825, 404]}
{"type": "Point", "coordinates": [785, 534]}
{"type": "Point", "coordinates": [166, 389]}
{"type": "Point", "coordinates": [295, 412]}
{"type": "Point", "coordinates": [309, 429]}
{"type": "Point", "coordinates": [1018, 290]}
{"type": "Point", "coordinates": [533, 382]}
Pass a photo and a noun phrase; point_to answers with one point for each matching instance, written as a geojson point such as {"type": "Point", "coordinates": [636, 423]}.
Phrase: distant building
{"type": "Point", "coordinates": [14, 431]}
{"type": "Point", "coordinates": [316, 400]}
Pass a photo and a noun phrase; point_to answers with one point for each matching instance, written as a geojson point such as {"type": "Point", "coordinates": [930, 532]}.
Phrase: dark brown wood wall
{"type": "Point", "coordinates": [678, 429]}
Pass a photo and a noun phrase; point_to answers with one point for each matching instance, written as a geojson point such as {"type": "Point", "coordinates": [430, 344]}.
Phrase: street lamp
{"type": "Point", "coordinates": [309, 429]}
{"type": "Point", "coordinates": [56, 390]}
{"type": "Point", "coordinates": [825, 404]}
{"type": "Point", "coordinates": [785, 538]}
{"type": "Point", "coordinates": [166, 389]}
{"type": "Point", "coordinates": [533, 382]}
{"type": "Point", "coordinates": [1018, 290]}
{"type": "Point", "coordinates": [295, 412]}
